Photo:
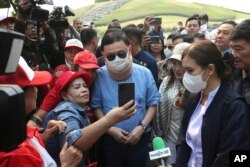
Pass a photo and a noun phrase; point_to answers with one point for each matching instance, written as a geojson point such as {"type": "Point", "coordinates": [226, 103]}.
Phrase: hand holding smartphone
{"type": "Point", "coordinates": [156, 21]}
{"type": "Point", "coordinates": [126, 92]}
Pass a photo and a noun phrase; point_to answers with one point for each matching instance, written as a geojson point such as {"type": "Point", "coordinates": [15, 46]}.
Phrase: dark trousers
{"type": "Point", "coordinates": [125, 155]}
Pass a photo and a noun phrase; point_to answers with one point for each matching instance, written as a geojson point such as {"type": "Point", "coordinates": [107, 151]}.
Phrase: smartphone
{"type": "Point", "coordinates": [155, 39]}
{"type": "Point", "coordinates": [126, 92]}
{"type": "Point", "coordinates": [156, 21]}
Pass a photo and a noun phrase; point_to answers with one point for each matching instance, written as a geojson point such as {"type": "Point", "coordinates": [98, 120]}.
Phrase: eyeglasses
{"type": "Point", "coordinates": [121, 55]}
{"type": "Point", "coordinates": [32, 26]}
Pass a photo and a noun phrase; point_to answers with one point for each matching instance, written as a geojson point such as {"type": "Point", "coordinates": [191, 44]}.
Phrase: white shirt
{"type": "Point", "coordinates": [193, 135]}
{"type": "Point", "coordinates": [47, 160]}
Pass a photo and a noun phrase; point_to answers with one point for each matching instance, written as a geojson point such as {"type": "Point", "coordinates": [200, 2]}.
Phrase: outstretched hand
{"type": "Point", "coordinates": [146, 24]}
{"type": "Point", "coordinates": [52, 129]}
{"type": "Point", "coordinates": [121, 113]}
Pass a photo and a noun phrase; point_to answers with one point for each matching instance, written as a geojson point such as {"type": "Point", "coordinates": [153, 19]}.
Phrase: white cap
{"type": "Point", "coordinates": [73, 43]}
{"type": "Point", "coordinates": [178, 50]}
{"type": "Point", "coordinates": [4, 18]}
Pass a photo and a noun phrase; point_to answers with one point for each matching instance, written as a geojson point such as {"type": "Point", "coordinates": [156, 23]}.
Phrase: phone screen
{"type": "Point", "coordinates": [126, 92]}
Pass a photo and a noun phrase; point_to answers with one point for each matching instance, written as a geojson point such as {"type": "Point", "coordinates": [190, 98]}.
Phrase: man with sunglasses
{"type": "Point", "coordinates": [126, 143]}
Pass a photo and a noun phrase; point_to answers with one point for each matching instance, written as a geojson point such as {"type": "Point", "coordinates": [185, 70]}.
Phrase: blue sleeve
{"type": "Point", "coordinates": [73, 128]}
{"type": "Point", "coordinates": [154, 69]}
{"type": "Point", "coordinates": [96, 93]}
{"type": "Point", "coordinates": [153, 96]}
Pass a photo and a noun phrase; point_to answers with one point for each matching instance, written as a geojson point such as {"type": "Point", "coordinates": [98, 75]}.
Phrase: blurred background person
{"type": "Point", "coordinates": [157, 30]}
{"type": "Point", "coordinates": [240, 44]}
{"type": "Point", "coordinates": [222, 37]}
{"type": "Point", "coordinates": [78, 24]}
{"type": "Point", "coordinates": [72, 47]}
{"type": "Point", "coordinates": [192, 25]}
{"type": "Point", "coordinates": [156, 48]}
{"type": "Point", "coordinates": [89, 39]}
{"type": "Point", "coordinates": [143, 57]}
{"type": "Point", "coordinates": [170, 110]}
{"type": "Point", "coordinates": [203, 18]}
{"type": "Point", "coordinates": [7, 22]}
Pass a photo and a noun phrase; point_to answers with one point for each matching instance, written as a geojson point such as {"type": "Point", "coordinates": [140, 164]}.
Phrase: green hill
{"type": "Point", "coordinates": [171, 12]}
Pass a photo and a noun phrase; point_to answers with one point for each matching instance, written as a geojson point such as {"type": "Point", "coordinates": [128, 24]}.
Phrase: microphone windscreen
{"type": "Point", "coordinates": [158, 143]}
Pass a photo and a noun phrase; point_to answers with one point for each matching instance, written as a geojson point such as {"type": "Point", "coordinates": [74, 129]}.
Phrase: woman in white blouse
{"type": "Point", "coordinates": [216, 121]}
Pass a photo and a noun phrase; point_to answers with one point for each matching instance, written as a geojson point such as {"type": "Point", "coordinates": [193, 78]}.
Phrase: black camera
{"type": "Point", "coordinates": [38, 13]}
{"type": "Point", "coordinates": [57, 17]}
{"type": "Point", "coordinates": [11, 45]}
{"type": "Point", "coordinates": [11, 96]}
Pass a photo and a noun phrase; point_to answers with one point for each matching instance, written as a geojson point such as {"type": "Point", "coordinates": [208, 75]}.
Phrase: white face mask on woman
{"type": "Point", "coordinates": [119, 64]}
{"type": "Point", "coordinates": [194, 83]}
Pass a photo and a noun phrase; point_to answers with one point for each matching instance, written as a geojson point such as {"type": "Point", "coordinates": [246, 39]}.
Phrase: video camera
{"type": "Point", "coordinates": [38, 13]}
{"type": "Point", "coordinates": [11, 96]}
{"type": "Point", "coordinates": [57, 17]}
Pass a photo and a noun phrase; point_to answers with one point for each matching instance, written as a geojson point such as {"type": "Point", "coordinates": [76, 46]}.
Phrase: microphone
{"type": "Point", "coordinates": [160, 150]}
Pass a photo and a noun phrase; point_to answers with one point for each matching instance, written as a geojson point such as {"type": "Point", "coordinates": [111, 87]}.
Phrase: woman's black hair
{"type": "Point", "coordinates": [205, 52]}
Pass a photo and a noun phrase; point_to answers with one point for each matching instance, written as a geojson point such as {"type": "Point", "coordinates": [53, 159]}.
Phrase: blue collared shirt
{"type": "Point", "coordinates": [105, 94]}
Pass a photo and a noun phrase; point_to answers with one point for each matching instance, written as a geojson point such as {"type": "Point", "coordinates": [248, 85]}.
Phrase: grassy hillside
{"type": "Point", "coordinates": [171, 12]}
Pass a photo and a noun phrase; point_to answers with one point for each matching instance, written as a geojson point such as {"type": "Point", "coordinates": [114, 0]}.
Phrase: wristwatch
{"type": "Point", "coordinates": [144, 127]}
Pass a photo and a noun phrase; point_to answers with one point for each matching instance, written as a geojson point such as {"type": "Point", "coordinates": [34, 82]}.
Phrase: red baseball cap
{"type": "Point", "coordinates": [25, 76]}
{"type": "Point", "coordinates": [86, 60]}
{"type": "Point", "coordinates": [69, 76]}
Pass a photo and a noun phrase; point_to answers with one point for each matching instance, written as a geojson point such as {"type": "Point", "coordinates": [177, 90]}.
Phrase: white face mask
{"type": "Point", "coordinates": [203, 27]}
{"type": "Point", "coordinates": [194, 83]}
{"type": "Point", "coordinates": [119, 64]}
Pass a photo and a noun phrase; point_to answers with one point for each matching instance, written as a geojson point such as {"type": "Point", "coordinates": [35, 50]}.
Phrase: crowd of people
{"type": "Point", "coordinates": [190, 88]}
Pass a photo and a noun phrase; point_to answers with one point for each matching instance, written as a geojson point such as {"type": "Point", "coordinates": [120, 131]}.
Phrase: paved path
{"type": "Point", "coordinates": [101, 11]}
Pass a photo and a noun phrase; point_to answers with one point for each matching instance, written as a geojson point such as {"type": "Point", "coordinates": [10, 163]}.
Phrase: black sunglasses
{"type": "Point", "coordinates": [121, 55]}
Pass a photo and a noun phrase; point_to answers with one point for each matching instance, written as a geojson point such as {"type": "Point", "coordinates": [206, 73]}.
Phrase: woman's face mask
{"type": "Point", "coordinates": [194, 83]}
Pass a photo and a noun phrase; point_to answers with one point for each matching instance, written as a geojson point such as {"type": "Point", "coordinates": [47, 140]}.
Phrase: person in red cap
{"type": "Point", "coordinates": [83, 61]}
{"type": "Point", "coordinates": [86, 61]}
{"type": "Point", "coordinates": [30, 152]}
{"type": "Point", "coordinates": [73, 87]}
